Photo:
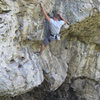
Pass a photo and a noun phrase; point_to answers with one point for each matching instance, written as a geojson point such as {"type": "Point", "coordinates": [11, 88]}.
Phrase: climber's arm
{"type": "Point", "coordinates": [44, 12]}
{"type": "Point", "coordinates": [62, 18]}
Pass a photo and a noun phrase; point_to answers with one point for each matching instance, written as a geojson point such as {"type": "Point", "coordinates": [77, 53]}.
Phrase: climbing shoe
{"type": "Point", "coordinates": [37, 53]}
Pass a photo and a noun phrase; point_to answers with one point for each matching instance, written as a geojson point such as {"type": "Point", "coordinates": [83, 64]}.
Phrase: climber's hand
{"type": "Point", "coordinates": [62, 18]}
{"type": "Point", "coordinates": [60, 14]}
{"type": "Point", "coordinates": [41, 4]}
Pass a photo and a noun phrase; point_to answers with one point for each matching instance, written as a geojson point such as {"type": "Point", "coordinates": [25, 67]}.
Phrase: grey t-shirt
{"type": "Point", "coordinates": [55, 26]}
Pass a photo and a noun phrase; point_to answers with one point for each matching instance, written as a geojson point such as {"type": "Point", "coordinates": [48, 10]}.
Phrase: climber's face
{"type": "Point", "coordinates": [55, 18]}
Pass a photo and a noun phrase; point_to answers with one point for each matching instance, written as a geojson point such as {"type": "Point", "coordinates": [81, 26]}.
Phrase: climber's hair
{"type": "Point", "coordinates": [56, 15]}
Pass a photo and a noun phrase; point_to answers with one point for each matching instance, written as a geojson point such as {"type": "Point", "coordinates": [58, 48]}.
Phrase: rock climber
{"type": "Point", "coordinates": [55, 25]}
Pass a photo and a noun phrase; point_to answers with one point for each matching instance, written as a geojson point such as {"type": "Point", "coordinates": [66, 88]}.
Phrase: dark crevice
{"type": "Point", "coordinates": [84, 78]}
{"type": "Point", "coordinates": [20, 66]}
{"type": "Point", "coordinates": [4, 11]}
{"type": "Point", "coordinates": [12, 60]}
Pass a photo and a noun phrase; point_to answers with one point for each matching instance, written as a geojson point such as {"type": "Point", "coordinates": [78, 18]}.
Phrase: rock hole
{"type": "Point", "coordinates": [13, 0]}
{"type": "Point", "coordinates": [20, 27]}
{"type": "Point", "coordinates": [72, 93]}
{"type": "Point", "coordinates": [16, 32]}
{"type": "Point", "coordinates": [66, 48]}
{"type": "Point", "coordinates": [19, 66]}
{"type": "Point", "coordinates": [2, 35]}
{"type": "Point", "coordinates": [68, 64]}
{"type": "Point", "coordinates": [5, 11]}
{"type": "Point", "coordinates": [0, 20]}
{"type": "Point", "coordinates": [15, 40]}
{"type": "Point", "coordinates": [22, 58]}
{"type": "Point", "coordinates": [12, 61]}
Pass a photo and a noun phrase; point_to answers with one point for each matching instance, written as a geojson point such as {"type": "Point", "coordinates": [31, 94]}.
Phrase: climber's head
{"type": "Point", "coordinates": [56, 16]}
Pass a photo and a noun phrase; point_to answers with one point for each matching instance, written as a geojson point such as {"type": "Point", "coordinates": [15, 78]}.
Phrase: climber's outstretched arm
{"type": "Point", "coordinates": [62, 18]}
{"type": "Point", "coordinates": [44, 12]}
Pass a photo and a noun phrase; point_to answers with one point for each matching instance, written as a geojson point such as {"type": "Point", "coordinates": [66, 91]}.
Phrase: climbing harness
{"type": "Point", "coordinates": [57, 36]}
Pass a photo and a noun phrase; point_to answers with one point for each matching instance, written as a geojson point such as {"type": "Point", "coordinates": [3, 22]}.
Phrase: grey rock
{"type": "Point", "coordinates": [21, 33]}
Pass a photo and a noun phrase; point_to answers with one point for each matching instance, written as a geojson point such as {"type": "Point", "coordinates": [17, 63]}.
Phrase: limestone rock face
{"type": "Point", "coordinates": [22, 27]}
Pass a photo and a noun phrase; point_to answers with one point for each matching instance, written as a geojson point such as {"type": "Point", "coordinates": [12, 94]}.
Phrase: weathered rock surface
{"type": "Point", "coordinates": [76, 56]}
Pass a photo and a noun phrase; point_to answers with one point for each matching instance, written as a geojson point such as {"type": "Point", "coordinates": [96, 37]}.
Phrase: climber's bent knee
{"type": "Point", "coordinates": [48, 40]}
{"type": "Point", "coordinates": [45, 41]}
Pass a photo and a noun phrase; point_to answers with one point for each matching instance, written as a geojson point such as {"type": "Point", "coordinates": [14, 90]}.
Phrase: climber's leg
{"type": "Point", "coordinates": [42, 48]}
{"type": "Point", "coordinates": [45, 43]}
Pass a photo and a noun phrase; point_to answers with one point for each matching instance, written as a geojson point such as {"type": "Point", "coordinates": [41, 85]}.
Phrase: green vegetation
{"type": "Point", "coordinates": [87, 31]}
